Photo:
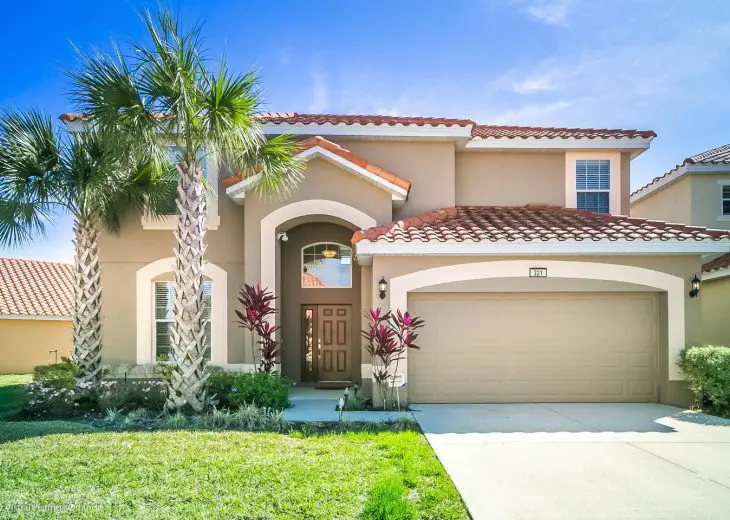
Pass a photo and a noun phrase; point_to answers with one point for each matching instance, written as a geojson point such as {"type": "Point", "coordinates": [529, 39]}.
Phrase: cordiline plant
{"type": "Point", "coordinates": [387, 339]}
{"type": "Point", "coordinates": [258, 308]}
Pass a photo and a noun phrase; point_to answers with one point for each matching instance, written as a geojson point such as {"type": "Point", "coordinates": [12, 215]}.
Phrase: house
{"type": "Point", "coordinates": [698, 192]}
{"type": "Point", "coordinates": [36, 303]}
{"type": "Point", "coordinates": [511, 242]}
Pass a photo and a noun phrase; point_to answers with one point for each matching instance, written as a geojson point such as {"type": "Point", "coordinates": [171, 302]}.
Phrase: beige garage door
{"type": "Point", "coordinates": [502, 348]}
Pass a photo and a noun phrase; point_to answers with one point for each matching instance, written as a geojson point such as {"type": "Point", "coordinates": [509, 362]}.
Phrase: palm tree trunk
{"type": "Point", "coordinates": [87, 301]}
{"type": "Point", "coordinates": [185, 386]}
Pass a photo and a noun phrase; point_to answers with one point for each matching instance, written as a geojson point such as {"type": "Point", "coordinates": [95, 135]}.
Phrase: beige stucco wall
{"type": "Point", "coordinates": [428, 165]}
{"type": "Point", "coordinates": [706, 200]}
{"type": "Point", "coordinates": [322, 181]}
{"type": "Point", "coordinates": [683, 266]}
{"type": "Point", "coordinates": [25, 344]}
{"type": "Point", "coordinates": [715, 300]}
{"type": "Point", "coordinates": [122, 256]}
{"type": "Point", "coordinates": [510, 178]}
{"type": "Point", "coordinates": [672, 204]}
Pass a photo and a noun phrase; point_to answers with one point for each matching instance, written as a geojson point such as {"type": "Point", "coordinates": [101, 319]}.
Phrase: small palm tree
{"type": "Point", "coordinates": [165, 96]}
{"type": "Point", "coordinates": [44, 173]}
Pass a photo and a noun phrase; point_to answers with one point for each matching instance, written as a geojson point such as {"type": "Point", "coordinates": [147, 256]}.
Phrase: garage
{"type": "Point", "coordinates": [535, 347]}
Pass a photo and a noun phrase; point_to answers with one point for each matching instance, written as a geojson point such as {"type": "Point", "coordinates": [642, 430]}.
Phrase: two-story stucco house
{"type": "Point", "coordinates": [508, 241]}
{"type": "Point", "coordinates": [698, 192]}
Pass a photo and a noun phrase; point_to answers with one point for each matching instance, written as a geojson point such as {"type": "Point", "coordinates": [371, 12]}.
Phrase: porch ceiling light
{"type": "Point", "coordinates": [382, 287]}
{"type": "Point", "coordinates": [696, 286]}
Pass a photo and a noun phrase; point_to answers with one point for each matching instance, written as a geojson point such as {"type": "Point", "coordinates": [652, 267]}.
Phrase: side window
{"type": "Point", "coordinates": [725, 194]}
{"type": "Point", "coordinates": [164, 299]}
{"type": "Point", "coordinates": [593, 184]}
{"type": "Point", "coordinates": [326, 265]}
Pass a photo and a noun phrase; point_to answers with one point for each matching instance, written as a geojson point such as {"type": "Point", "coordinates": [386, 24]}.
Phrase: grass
{"type": "Point", "coordinates": [69, 469]}
{"type": "Point", "coordinates": [11, 392]}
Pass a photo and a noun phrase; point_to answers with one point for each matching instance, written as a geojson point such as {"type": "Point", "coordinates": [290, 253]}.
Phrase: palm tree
{"type": "Point", "coordinates": [166, 96]}
{"type": "Point", "coordinates": [44, 173]}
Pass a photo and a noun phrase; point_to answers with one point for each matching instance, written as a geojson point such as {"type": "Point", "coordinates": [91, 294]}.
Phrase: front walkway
{"type": "Point", "coordinates": [311, 405]}
{"type": "Point", "coordinates": [583, 461]}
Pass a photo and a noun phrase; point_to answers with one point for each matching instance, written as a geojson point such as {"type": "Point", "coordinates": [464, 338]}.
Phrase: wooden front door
{"type": "Point", "coordinates": [333, 341]}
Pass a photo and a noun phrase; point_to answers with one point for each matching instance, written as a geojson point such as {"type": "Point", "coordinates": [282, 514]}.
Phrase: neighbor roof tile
{"type": "Point", "coordinates": [35, 288]}
{"type": "Point", "coordinates": [721, 262]}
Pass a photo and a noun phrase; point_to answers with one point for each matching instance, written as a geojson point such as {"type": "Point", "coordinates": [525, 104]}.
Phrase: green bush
{"type": "Point", "coordinates": [387, 501]}
{"type": "Point", "coordinates": [235, 390]}
{"type": "Point", "coordinates": [60, 375]}
{"type": "Point", "coordinates": [707, 369]}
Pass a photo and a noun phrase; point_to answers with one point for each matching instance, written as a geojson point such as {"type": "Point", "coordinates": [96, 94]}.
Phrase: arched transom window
{"type": "Point", "coordinates": [326, 265]}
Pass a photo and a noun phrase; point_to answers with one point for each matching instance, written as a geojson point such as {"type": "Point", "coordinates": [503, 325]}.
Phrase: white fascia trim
{"type": "Point", "coordinates": [238, 191]}
{"type": "Point", "coordinates": [677, 174]}
{"type": "Point", "coordinates": [365, 248]}
{"type": "Point", "coordinates": [557, 144]}
{"type": "Point", "coordinates": [34, 318]}
{"type": "Point", "coordinates": [713, 275]}
{"type": "Point", "coordinates": [369, 130]}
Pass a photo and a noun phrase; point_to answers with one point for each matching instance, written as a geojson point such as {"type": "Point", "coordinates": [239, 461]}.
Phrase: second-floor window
{"type": "Point", "coordinates": [725, 199]}
{"type": "Point", "coordinates": [593, 184]}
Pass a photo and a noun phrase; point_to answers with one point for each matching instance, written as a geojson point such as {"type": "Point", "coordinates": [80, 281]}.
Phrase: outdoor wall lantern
{"type": "Point", "coordinates": [695, 287]}
{"type": "Point", "coordinates": [382, 287]}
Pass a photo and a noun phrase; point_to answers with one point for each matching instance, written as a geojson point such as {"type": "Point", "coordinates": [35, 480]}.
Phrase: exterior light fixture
{"type": "Point", "coordinates": [696, 285]}
{"type": "Point", "coordinates": [382, 287]}
{"type": "Point", "coordinates": [329, 253]}
{"type": "Point", "coordinates": [282, 236]}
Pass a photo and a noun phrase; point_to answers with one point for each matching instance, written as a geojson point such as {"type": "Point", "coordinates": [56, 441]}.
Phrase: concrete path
{"type": "Point", "coordinates": [310, 405]}
{"type": "Point", "coordinates": [583, 461]}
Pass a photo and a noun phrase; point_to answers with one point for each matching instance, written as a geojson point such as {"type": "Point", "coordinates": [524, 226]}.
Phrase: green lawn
{"type": "Point", "coordinates": [11, 392]}
{"type": "Point", "coordinates": [60, 469]}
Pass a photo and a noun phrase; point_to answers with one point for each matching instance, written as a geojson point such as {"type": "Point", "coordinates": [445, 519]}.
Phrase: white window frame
{"type": "Point", "coordinates": [168, 222]}
{"type": "Point", "coordinates": [156, 320]}
{"type": "Point", "coordinates": [571, 192]}
{"type": "Point", "coordinates": [722, 217]}
{"type": "Point", "coordinates": [607, 191]}
{"type": "Point", "coordinates": [301, 265]}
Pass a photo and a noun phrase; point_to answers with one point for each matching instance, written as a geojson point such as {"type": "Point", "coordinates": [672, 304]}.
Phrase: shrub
{"type": "Point", "coordinates": [61, 375]}
{"type": "Point", "coordinates": [387, 501]}
{"type": "Point", "coordinates": [708, 371]}
{"type": "Point", "coordinates": [235, 390]}
{"type": "Point", "coordinates": [132, 394]}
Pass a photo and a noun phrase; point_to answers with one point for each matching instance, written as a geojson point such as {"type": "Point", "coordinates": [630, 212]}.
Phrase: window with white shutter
{"type": "Point", "coordinates": [593, 184]}
{"type": "Point", "coordinates": [164, 301]}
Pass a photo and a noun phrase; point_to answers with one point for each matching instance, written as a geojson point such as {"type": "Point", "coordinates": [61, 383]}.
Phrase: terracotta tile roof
{"type": "Point", "coordinates": [719, 155]}
{"type": "Point", "coordinates": [356, 159]}
{"type": "Point", "coordinates": [336, 149]}
{"type": "Point", "coordinates": [360, 119]}
{"type": "Point", "coordinates": [531, 223]}
{"type": "Point", "coordinates": [34, 288]}
{"type": "Point", "coordinates": [524, 132]}
{"type": "Point", "coordinates": [311, 281]}
{"type": "Point", "coordinates": [477, 132]}
{"type": "Point", "coordinates": [721, 262]}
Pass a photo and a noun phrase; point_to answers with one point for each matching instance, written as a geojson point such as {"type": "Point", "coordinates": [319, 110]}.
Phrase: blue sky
{"type": "Point", "coordinates": [659, 64]}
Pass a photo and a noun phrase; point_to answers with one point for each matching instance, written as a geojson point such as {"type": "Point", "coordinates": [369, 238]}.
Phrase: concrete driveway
{"type": "Point", "coordinates": [583, 461]}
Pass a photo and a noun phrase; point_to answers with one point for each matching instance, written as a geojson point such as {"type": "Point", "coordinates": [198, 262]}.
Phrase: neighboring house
{"type": "Point", "coordinates": [698, 192]}
{"type": "Point", "coordinates": [500, 237]}
{"type": "Point", "coordinates": [36, 302]}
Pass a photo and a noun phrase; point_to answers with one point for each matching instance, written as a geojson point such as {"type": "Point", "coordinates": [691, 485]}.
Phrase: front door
{"type": "Point", "coordinates": [328, 341]}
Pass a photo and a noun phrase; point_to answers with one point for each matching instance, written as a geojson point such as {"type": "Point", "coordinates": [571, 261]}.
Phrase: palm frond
{"type": "Point", "coordinates": [31, 183]}
{"type": "Point", "coordinates": [277, 164]}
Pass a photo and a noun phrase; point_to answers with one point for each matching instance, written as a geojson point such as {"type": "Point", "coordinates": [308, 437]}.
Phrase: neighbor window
{"type": "Point", "coordinates": [593, 184]}
{"type": "Point", "coordinates": [725, 199]}
{"type": "Point", "coordinates": [164, 302]}
{"type": "Point", "coordinates": [326, 265]}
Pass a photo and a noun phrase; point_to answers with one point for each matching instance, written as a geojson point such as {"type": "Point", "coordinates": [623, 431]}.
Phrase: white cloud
{"type": "Point", "coordinates": [531, 114]}
{"type": "Point", "coordinates": [551, 12]}
{"type": "Point", "coordinates": [320, 93]}
{"type": "Point", "coordinates": [532, 84]}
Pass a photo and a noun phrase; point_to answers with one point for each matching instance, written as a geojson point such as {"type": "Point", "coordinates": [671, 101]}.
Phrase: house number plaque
{"type": "Point", "coordinates": [538, 272]}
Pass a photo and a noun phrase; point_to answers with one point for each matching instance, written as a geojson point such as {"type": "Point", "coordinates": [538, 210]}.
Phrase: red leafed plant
{"type": "Point", "coordinates": [387, 338]}
{"type": "Point", "coordinates": [258, 308]}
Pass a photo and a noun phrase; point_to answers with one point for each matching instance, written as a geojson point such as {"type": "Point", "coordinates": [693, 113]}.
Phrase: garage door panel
{"type": "Point", "coordinates": [535, 347]}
